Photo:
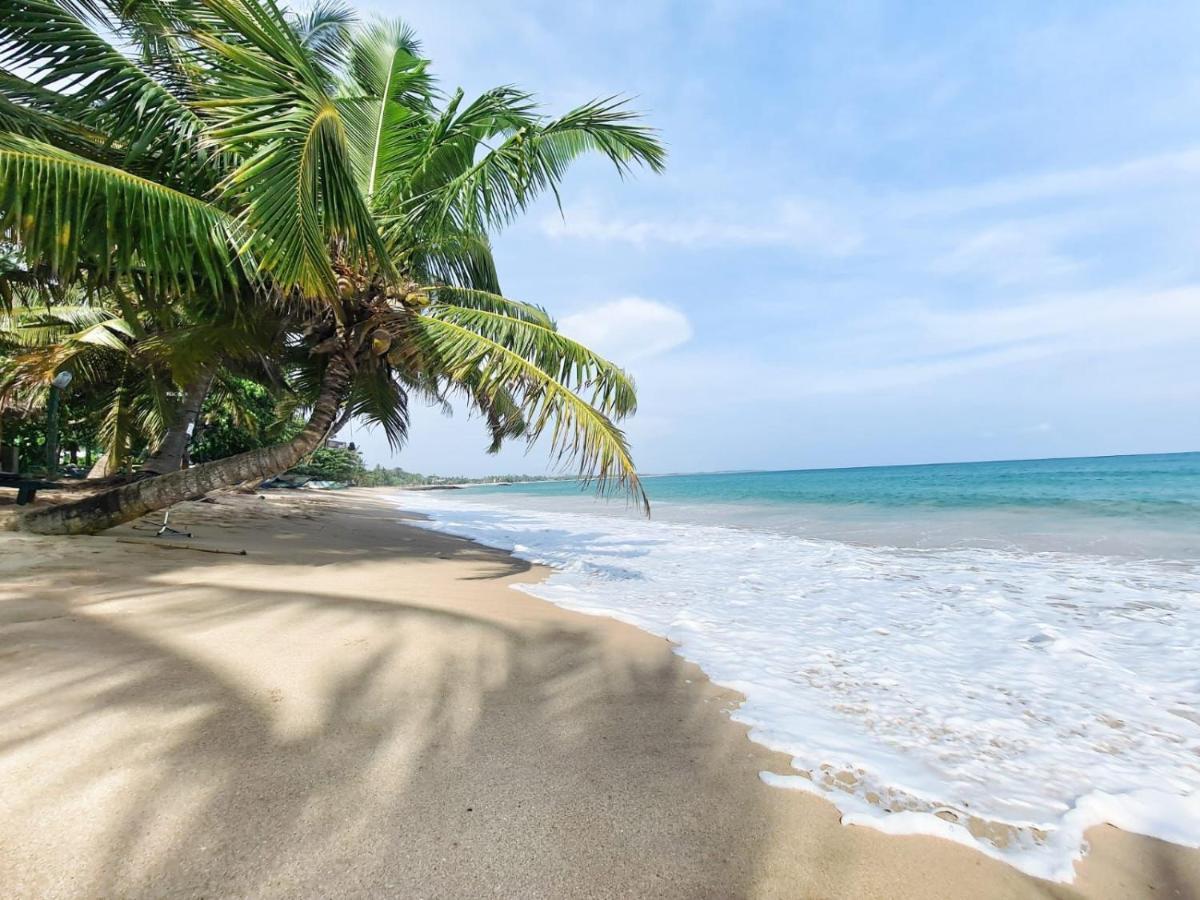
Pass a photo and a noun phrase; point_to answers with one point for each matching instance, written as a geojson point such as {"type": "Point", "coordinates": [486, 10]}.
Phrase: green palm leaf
{"type": "Point", "coordinates": [474, 298]}
{"type": "Point", "coordinates": [606, 126]}
{"type": "Point", "coordinates": [45, 327]}
{"type": "Point", "coordinates": [490, 191]}
{"type": "Point", "coordinates": [74, 217]}
{"type": "Point", "coordinates": [67, 325]}
{"type": "Point", "coordinates": [33, 111]}
{"type": "Point", "coordinates": [377, 398]}
{"type": "Point", "coordinates": [296, 184]}
{"type": "Point", "coordinates": [387, 89]}
{"type": "Point", "coordinates": [110, 92]}
{"type": "Point", "coordinates": [611, 390]}
{"type": "Point", "coordinates": [324, 32]}
{"type": "Point", "coordinates": [454, 258]}
{"type": "Point", "coordinates": [578, 431]}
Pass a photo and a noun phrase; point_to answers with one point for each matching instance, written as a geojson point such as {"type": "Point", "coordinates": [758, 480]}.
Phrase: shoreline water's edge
{"type": "Point", "coordinates": [1153, 814]}
{"type": "Point", "coordinates": [360, 704]}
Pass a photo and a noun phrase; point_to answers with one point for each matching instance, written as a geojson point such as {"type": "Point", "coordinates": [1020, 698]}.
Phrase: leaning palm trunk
{"type": "Point", "coordinates": [171, 450]}
{"type": "Point", "coordinates": [128, 502]}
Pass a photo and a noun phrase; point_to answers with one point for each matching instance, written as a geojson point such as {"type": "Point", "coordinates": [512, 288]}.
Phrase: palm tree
{"type": "Point", "coordinates": [291, 167]}
{"type": "Point", "coordinates": [97, 346]}
{"type": "Point", "coordinates": [150, 377]}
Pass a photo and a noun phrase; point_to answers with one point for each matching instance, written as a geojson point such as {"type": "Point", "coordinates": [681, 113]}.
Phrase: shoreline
{"type": "Point", "coordinates": [826, 648]}
{"type": "Point", "coordinates": [362, 705]}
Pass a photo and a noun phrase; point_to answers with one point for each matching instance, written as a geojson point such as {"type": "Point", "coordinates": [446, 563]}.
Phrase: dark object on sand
{"type": "Point", "coordinates": [165, 546]}
{"type": "Point", "coordinates": [286, 481]}
{"type": "Point", "coordinates": [27, 488]}
{"type": "Point", "coordinates": [166, 528]}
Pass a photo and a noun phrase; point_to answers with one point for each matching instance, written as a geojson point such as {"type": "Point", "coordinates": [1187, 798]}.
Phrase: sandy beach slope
{"type": "Point", "coordinates": [360, 708]}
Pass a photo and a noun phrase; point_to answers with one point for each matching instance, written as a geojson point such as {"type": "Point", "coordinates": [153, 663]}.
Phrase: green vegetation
{"type": "Point", "coordinates": [207, 205]}
{"type": "Point", "coordinates": [24, 436]}
{"type": "Point", "coordinates": [239, 415]}
{"type": "Point", "coordinates": [332, 464]}
{"type": "Point", "coordinates": [381, 477]}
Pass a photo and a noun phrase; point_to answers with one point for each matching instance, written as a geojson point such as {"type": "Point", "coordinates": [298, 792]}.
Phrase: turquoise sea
{"type": "Point", "coordinates": [1145, 505]}
{"type": "Point", "coordinates": [1002, 654]}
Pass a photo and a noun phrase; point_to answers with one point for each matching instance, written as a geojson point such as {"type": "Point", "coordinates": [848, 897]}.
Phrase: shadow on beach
{"type": "Point", "coordinates": [185, 736]}
{"type": "Point", "coordinates": [361, 708]}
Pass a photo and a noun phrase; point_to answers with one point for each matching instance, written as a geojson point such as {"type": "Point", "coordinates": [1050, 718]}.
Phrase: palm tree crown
{"type": "Point", "coordinates": [234, 157]}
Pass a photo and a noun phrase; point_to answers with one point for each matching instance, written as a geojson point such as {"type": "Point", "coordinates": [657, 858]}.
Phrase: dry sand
{"type": "Point", "coordinates": [363, 708]}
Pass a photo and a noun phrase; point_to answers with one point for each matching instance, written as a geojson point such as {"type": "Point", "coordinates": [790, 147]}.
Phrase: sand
{"type": "Point", "coordinates": [362, 708]}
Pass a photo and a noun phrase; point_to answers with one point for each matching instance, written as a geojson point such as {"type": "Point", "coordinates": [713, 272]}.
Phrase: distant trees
{"type": "Point", "coordinates": [381, 477]}
{"type": "Point", "coordinates": [339, 464]}
{"type": "Point", "coordinates": [397, 477]}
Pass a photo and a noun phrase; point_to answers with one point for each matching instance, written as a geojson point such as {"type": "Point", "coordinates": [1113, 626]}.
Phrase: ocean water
{"type": "Point", "coordinates": [1002, 654]}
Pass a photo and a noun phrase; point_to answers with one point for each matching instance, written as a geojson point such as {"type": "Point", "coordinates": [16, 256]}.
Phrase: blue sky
{"type": "Point", "coordinates": [889, 232]}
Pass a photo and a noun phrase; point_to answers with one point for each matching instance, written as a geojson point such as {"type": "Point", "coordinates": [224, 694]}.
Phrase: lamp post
{"type": "Point", "coordinates": [57, 386]}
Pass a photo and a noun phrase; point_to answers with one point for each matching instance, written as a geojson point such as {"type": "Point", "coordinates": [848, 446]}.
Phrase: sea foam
{"type": "Point", "coordinates": [1004, 700]}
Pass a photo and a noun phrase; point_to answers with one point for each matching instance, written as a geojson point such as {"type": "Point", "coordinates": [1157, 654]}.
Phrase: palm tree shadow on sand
{"type": "Point", "coordinates": [428, 751]}
{"type": "Point", "coordinates": [178, 734]}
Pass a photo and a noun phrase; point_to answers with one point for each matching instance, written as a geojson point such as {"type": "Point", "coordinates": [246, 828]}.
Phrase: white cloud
{"type": "Point", "coordinates": [919, 345]}
{"type": "Point", "coordinates": [869, 379]}
{"type": "Point", "coordinates": [629, 329]}
{"type": "Point", "coordinates": [791, 224]}
{"type": "Point", "coordinates": [1022, 247]}
{"type": "Point", "coordinates": [1124, 319]}
{"type": "Point", "coordinates": [1012, 253]}
{"type": "Point", "coordinates": [1166, 169]}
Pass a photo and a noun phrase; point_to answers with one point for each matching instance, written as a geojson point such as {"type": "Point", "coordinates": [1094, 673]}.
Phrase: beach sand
{"type": "Point", "coordinates": [359, 707]}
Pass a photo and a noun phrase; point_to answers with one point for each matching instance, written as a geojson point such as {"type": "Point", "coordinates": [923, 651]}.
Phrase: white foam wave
{"type": "Point", "coordinates": [1004, 700]}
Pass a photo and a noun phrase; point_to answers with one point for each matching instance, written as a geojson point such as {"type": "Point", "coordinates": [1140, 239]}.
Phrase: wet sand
{"type": "Point", "coordinates": [360, 708]}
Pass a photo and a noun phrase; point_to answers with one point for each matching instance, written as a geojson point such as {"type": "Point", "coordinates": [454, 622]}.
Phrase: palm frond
{"type": "Point", "coordinates": [452, 139]}
{"type": "Point", "coordinates": [491, 190]}
{"type": "Point", "coordinates": [504, 417]}
{"type": "Point", "coordinates": [299, 192]}
{"type": "Point", "coordinates": [190, 348]}
{"type": "Point", "coordinates": [58, 324]}
{"type": "Point", "coordinates": [449, 256]}
{"type": "Point", "coordinates": [387, 91]}
{"type": "Point", "coordinates": [607, 386]}
{"type": "Point", "coordinates": [324, 30]}
{"type": "Point", "coordinates": [379, 400]}
{"type": "Point", "coordinates": [66, 327]}
{"type": "Point", "coordinates": [30, 110]}
{"type": "Point", "coordinates": [607, 126]}
{"type": "Point", "coordinates": [78, 217]}
{"type": "Point", "coordinates": [117, 424]}
{"type": "Point", "coordinates": [474, 298]}
{"type": "Point", "coordinates": [578, 431]}
{"type": "Point", "coordinates": [104, 87]}
{"type": "Point", "coordinates": [296, 184]}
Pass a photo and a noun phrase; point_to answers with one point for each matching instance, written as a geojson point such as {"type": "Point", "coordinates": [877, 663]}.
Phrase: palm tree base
{"type": "Point", "coordinates": [127, 502]}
